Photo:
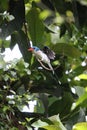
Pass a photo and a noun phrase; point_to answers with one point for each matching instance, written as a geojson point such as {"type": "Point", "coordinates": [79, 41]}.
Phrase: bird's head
{"type": "Point", "coordinates": [33, 48]}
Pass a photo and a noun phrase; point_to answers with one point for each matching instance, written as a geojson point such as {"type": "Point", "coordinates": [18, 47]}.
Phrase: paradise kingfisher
{"type": "Point", "coordinates": [44, 55]}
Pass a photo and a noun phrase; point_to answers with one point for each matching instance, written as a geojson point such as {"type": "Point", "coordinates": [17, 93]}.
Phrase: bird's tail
{"type": "Point", "coordinates": [51, 68]}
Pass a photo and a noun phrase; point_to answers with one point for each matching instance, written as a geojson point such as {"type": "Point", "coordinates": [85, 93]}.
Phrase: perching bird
{"type": "Point", "coordinates": [44, 55]}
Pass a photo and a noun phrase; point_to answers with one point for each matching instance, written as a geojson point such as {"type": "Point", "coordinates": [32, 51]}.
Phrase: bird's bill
{"type": "Point", "coordinates": [30, 49]}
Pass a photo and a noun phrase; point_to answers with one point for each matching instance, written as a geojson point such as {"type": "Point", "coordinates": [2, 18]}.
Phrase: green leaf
{"type": "Point", "coordinates": [80, 126]}
{"type": "Point", "coordinates": [52, 127]}
{"type": "Point", "coordinates": [66, 49]}
{"type": "Point", "coordinates": [52, 123]}
{"type": "Point", "coordinates": [57, 125]}
{"type": "Point", "coordinates": [79, 70]}
{"type": "Point", "coordinates": [13, 128]}
{"type": "Point", "coordinates": [82, 101]}
{"type": "Point", "coordinates": [36, 27]}
{"type": "Point", "coordinates": [78, 115]}
{"type": "Point", "coordinates": [39, 107]}
{"type": "Point", "coordinates": [3, 5]}
{"type": "Point", "coordinates": [17, 9]}
{"type": "Point", "coordinates": [39, 123]}
{"type": "Point", "coordinates": [83, 76]}
{"type": "Point", "coordinates": [61, 106]}
{"type": "Point", "coordinates": [2, 62]}
{"type": "Point", "coordinates": [79, 90]}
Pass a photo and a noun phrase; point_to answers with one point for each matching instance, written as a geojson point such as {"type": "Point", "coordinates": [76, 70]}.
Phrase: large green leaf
{"type": "Point", "coordinates": [61, 106]}
{"type": "Point", "coordinates": [66, 49]}
{"type": "Point", "coordinates": [82, 100]}
{"type": "Point", "coordinates": [80, 126]}
{"type": "Point", "coordinates": [36, 27]}
{"type": "Point", "coordinates": [57, 125]}
{"type": "Point", "coordinates": [83, 76]}
{"type": "Point", "coordinates": [52, 127]}
{"type": "Point", "coordinates": [52, 123]}
{"type": "Point", "coordinates": [3, 5]}
{"type": "Point", "coordinates": [78, 115]}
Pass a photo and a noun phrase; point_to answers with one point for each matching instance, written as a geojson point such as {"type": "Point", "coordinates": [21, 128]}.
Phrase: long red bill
{"type": "Point", "coordinates": [30, 49]}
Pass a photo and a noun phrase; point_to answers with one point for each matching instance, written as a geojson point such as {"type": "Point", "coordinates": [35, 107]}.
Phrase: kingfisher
{"type": "Point", "coordinates": [44, 55]}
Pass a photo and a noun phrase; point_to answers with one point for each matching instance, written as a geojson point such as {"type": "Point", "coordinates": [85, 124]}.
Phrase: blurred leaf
{"type": "Point", "coordinates": [79, 90]}
{"type": "Point", "coordinates": [78, 115]}
{"type": "Point", "coordinates": [81, 101]}
{"type": "Point", "coordinates": [36, 27]}
{"type": "Point", "coordinates": [80, 126]}
{"type": "Point", "coordinates": [54, 38]}
{"type": "Point", "coordinates": [61, 106]}
{"type": "Point", "coordinates": [39, 107]}
{"type": "Point", "coordinates": [2, 62]}
{"type": "Point", "coordinates": [17, 9]}
{"type": "Point", "coordinates": [83, 76]}
{"type": "Point", "coordinates": [79, 70]}
{"type": "Point", "coordinates": [68, 50]}
{"type": "Point", "coordinates": [52, 123]}
{"type": "Point", "coordinates": [52, 127]}
{"type": "Point", "coordinates": [3, 5]}
{"type": "Point", "coordinates": [39, 123]}
{"type": "Point", "coordinates": [21, 90]}
{"type": "Point", "coordinates": [13, 128]}
{"type": "Point", "coordinates": [44, 14]}
{"type": "Point", "coordinates": [57, 125]}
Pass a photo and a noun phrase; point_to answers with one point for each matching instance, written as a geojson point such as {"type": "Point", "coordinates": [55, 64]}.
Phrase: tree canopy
{"type": "Point", "coordinates": [60, 99]}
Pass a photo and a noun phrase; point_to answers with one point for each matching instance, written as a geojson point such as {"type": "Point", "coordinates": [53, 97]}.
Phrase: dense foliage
{"type": "Point", "coordinates": [60, 99]}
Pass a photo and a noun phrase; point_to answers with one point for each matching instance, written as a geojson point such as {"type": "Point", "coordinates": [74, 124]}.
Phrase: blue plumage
{"type": "Point", "coordinates": [36, 48]}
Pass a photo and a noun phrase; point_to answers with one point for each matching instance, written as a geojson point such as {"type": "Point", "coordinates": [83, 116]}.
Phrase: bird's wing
{"type": "Point", "coordinates": [49, 52]}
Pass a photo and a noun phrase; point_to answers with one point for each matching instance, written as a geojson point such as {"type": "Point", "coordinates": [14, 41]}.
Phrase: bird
{"type": "Point", "coordinates": [45, 55]}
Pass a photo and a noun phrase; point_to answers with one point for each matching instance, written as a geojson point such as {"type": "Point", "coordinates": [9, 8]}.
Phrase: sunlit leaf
{"type": "Point", "coordinates": [82, 100]}
{"type": "Point", "coordinates": [39, 123]}
{"type": "Point", "coordinates": [57, 125]}
{"type": "Point", "coordinates": [83, 2]}
{"type": "Point", "coordinates": [52, 123]}
{"type": "Point", "coordinates": [80, 126]}
{"type": "Point", "coordinates": [52, 127]}
{"type": "Point", "coordinates": [83, 76]}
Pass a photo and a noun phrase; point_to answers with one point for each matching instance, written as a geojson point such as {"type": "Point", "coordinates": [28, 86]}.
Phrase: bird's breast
{"type": "Point", "coordinates": [42, 56]}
